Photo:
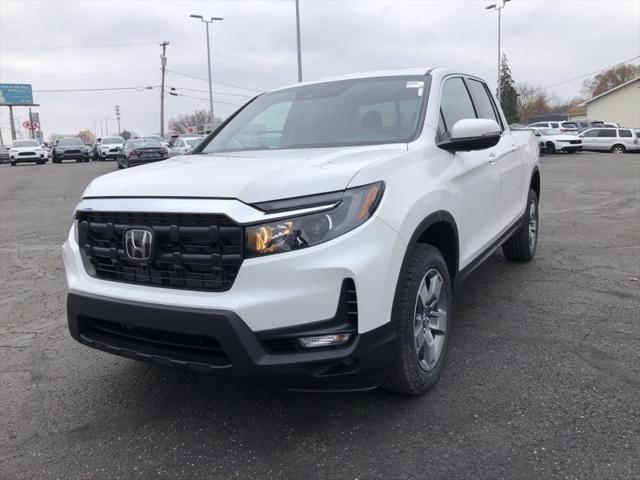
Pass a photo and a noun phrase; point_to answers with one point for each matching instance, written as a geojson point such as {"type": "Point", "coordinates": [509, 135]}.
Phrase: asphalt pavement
{"type": "Point", "coordinates": [542, 377]}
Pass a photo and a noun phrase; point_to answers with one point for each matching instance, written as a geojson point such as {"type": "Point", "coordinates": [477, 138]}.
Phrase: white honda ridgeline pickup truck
{"type": "Point", "coordinates": [316, 237]}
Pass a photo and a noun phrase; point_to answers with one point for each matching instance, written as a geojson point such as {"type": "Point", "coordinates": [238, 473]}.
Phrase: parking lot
{"type": "Point", "coordinates": [542, 379]}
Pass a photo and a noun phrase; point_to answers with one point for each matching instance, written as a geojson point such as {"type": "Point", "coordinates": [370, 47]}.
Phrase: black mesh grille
{"type": "Point", "coordinates": [149, 341]}
{"type": "Point", "coordinates": [190, 251]}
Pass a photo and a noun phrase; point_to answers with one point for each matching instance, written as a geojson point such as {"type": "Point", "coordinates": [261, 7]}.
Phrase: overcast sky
{"type": "Point", "coordinates": [103, 44]}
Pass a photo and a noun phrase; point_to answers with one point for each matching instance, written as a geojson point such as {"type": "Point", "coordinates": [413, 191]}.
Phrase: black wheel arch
{"type": "Point", "coordinates": [534, 182]}
{"type": "Point", "coordinates": [440, 230]}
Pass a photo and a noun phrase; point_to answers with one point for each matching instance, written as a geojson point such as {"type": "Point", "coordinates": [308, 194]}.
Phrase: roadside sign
{"type": "Point", "coordinates": [31, 125]}
{"type": "Point", "coordinates": [16, 94]}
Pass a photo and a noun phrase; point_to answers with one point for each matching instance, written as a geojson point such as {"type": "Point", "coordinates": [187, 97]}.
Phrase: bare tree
{"type": "Point", "coordinates": [532, 100]}
{"type": "Point", "coordinates": [182, 123]}
{"type": "Point", "coordinates": [87, 136]}
{"type": "Point", "coordinates": [609, 79]}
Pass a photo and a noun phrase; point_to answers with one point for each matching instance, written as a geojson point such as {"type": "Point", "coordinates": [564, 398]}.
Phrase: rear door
{"type": "Point", "coordinates": [625, 137]}
{"type": "Point", "coordinates": [504, 157]}
{"type": "Point", "coordinates": [476, 179]}
{"type": "Point", "coordinates": [607, 137]}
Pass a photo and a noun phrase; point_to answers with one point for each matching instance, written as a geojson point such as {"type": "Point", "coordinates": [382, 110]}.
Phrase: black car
{"type": "Point", "coordinates": [4, 154]}
{"type": "Point", "coordinates": [140, 151]}
{"type": "Point", "coordinates": [69, 148]}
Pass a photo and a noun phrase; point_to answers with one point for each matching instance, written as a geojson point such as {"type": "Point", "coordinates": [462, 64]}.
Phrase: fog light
{"type": "Point", "coordinates": [325, 340]}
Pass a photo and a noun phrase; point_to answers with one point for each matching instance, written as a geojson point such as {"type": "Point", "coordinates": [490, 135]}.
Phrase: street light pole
{"type": "Point", "coordinates": [498, 6]}
{"type": "Point", "coordinates": [207, 22]}
{"type": "Point", "coordinates": [298, 41]}
{"type": "Point", "coordinates": [106, 126]}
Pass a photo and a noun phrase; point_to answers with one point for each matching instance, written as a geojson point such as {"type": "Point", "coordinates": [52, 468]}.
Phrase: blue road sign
{"type": "Point", "coordinates": [15, 94]}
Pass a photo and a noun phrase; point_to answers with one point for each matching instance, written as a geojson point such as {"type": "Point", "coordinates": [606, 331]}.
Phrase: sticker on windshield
{"type": "Point", "coordinates": [417, 84]}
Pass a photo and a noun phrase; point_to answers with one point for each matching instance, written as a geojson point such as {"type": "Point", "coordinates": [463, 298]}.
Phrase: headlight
{"type": "Point", "coordinates": [354, 208]}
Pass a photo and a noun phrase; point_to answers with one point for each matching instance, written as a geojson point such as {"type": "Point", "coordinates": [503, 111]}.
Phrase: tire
{"type": "Point", "coordinates": [618, 149]}
{"type": "Point", "coordinates": [41, 162]}
{"type": "Point", "coordinates": [78, 160]}
{"type": "Point", "coordinates": [13, 164]}
{"type": "Point", "coordinates": [521, 246]}
{"type": "Point", "coordinates": [412, 371]}
{"type": "Point", "coordinates": [551, 148]}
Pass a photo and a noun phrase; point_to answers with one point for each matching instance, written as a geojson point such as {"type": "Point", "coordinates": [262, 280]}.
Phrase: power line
{"type": "Point", "coordinates": [206, 99]}
{"type": "Point", "coordinates": [139, 89]}
{"type": "Point", "coordinates": [591, 73]}
{"type": "Point", "coordinates": [217, 93]}
{"type": "Point", "coordinates": [219, 83]}
{"type": "Point", "coordinates": [64, 47]}
{"type": "Point", "coordinates": [251, 61]}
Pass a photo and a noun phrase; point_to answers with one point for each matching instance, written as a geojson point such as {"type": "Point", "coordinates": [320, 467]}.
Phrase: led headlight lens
{"type": "Point", "coordinates": [356, 207]}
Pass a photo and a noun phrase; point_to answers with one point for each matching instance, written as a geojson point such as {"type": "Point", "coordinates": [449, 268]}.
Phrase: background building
{"type": "Point", "coordinates": [620, 104]}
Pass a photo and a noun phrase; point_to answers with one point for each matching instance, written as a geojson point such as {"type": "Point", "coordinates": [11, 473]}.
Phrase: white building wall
{"type": "Point", "coordinates": [621, 106]}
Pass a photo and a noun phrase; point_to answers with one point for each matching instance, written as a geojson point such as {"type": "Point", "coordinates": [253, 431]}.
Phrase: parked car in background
{"type": "Point", "coordinates": [587, 124]}
{"type": "Point", "coordinates": [162, 141]}
{"type": "Point", "coordinates": [109, 147]}
{"type": "Point", "coordinates": [4, 154]}
{"type": "Point", "coordinates": [140, 151]}
{"type": "Point", "coordinates": [22, 151]}
{"type": "Point", "coordinates": [70, 148]}
{"type": "Point", "coordinates": [182, 145]}
{"type": "Point", "coordinates": [552, 141]}
{"type": "Point", "coordinates": [562, 127]}
{"type": "Point", "coordinates": [615, 140]}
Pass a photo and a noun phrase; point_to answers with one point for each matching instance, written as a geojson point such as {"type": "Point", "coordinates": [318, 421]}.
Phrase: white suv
{"type": "Point", "coordinates": [317, 235]}
{"type": "Point", "coordinates": [109, 147]}
{"type": "Point", "coordinates": [568, 128]}
{"type": "Point", "coordinates": [615, 140]}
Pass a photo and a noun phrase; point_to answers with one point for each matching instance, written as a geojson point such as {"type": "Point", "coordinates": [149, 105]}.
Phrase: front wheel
{"type": "Point", "coordinates": [422, 314]}
{"type": "Point", "coordinates": [521, 246]}
{"type": "Point", "coordinates": [551, 148]}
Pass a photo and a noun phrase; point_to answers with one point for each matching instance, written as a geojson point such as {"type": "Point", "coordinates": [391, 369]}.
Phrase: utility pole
{"type": "Point", "coordinates": [118, 117]}
{"type": "Point", "coordinates": [163, 65]}
{"type": "Point", "coordinates": [207, 22]}
{"type": "Point", "coordinates": [298, 38]}
{"type": "Point", "coordinates": [498, 6]}
{"type": "Point", "coordinates": [106, 126]}
{"type": "Point", "coordinates": [31, 129]}
{"type": "Point", "coordinates": [13, 126]}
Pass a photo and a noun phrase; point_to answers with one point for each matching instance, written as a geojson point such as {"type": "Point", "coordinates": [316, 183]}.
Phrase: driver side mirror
{"type": "Point", "coordinates": [471, 134]}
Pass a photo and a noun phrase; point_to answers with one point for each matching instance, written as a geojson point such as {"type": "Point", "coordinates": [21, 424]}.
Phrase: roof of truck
{"type": "Point", "coordinates": [379, 73]}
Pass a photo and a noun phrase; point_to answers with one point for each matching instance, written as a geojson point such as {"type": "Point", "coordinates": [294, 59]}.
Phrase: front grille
{"type": "Point", "coordinates": [149, 341]}
{"type": "Point", "coordinates": [189, 251]}
{"type": "Point", "coordinates": [575, 142]}
{"type": "Point", "coordinates": [113, 150]}
{"type": "Point", "coordinates": [71, 152]}
{"type": "Point", "coordinates": [26, 154]}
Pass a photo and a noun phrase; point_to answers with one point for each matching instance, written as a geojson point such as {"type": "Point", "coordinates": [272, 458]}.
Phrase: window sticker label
{"type": "Point", "coordinates": [415, 84]}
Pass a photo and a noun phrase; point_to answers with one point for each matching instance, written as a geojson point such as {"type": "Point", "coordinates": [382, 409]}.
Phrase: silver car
{"type": "Point", "coordinates": [615, 140]}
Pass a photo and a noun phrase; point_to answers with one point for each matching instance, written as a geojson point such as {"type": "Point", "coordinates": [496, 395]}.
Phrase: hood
{"type": "Point", "coordinates": [254, 176]}
{"type": "Point", "coordinates": [29, 149]}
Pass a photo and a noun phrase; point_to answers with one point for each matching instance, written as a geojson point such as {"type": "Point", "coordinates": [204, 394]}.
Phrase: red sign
{"type": "Point", "coordinates": [31, 125]}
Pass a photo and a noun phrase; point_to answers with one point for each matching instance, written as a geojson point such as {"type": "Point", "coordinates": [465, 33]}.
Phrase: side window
{"type": "Point", "coordinates": [624, 133]}
{"type": "Point", "coordinates": [607, 133]}
{"type": "Point", "coordinates": [482, 101]}
{"type": "Point", "coordinates": [455, 104]}
{"type": "Point", "coordinates": [553, 125]}
{"type": "Point", "coordinates": [592, 133]}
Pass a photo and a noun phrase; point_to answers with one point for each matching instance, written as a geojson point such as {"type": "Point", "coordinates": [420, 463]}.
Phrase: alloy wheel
{"type": "Point", "coordinates": [430, 319]}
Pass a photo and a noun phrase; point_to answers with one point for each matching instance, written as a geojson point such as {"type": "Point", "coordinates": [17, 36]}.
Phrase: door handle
{"type": "Point", "coordinates": [492, 158]}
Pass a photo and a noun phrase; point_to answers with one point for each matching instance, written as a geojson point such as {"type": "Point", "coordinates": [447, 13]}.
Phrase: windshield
{"type": "Point", "coordinates": [143, 143]}
{"type": "Point", "coordinates": [548, 131]}
{"type": "Point", "coordinates": [112, 140]}
{"type": "Point", "coordinates": [70, 142]}
{"type": "Point", "coordinates": [363, 111]}
{"type": "Point", "coordinates": [154, 137]}
{"type": "Point", "coordinates": [25, 143]}
{"type": "Point", "coordinates": [193, 141]}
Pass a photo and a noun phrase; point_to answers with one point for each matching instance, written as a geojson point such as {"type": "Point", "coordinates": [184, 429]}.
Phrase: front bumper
{"type": "Point", "coordinates": [563, 147]}
{"type": "Point", "coordinates": [34, 157]}
{"type": "Point", "coordinates": [133, 162]}
{"type": "Point", "coordinates": [282, 290]}
{"type": "Point", "coordinates": [220, 341]}
{"type": "Point", "coordinates": [72, 156]}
